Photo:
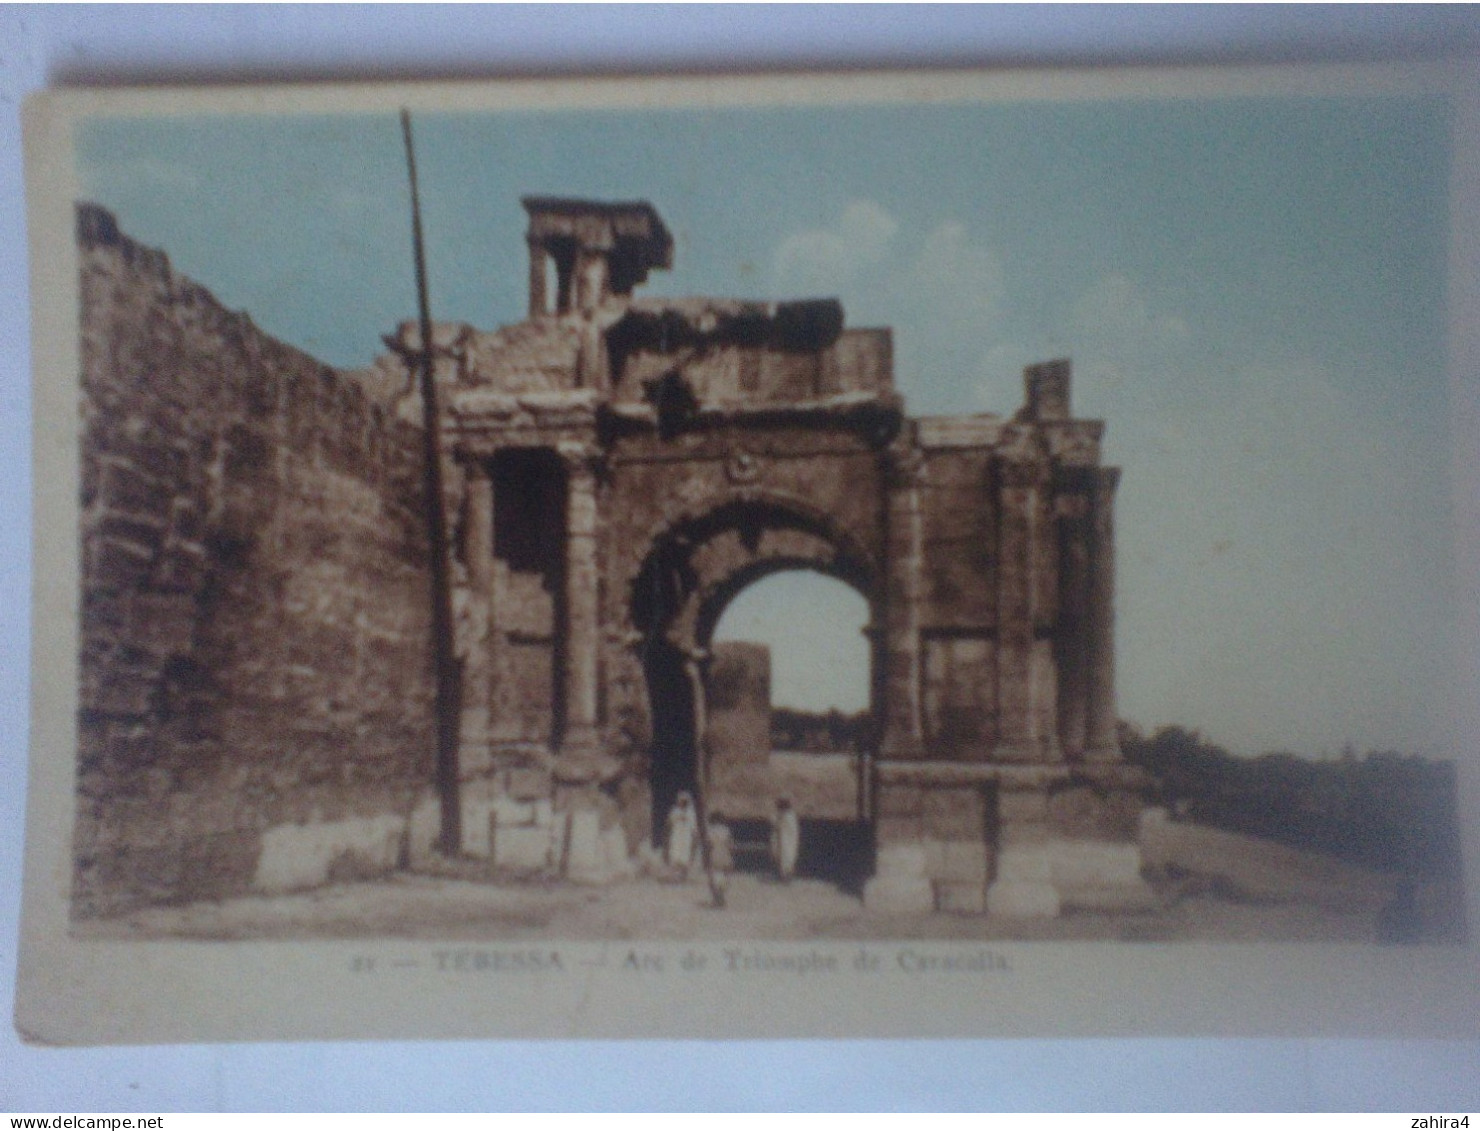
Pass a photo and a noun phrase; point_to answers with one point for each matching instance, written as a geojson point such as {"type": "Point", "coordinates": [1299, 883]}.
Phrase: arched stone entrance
{"type": "Point", "coordinates": [681, 449]}
{"type": "Point", "coordinates": [695, 568]}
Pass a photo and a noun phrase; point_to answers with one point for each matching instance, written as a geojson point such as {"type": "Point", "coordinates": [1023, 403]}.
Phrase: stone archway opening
{"type": "Point", "coordinates": [789, 696]}
{"type": "Point", "coordinates": [709, 697]}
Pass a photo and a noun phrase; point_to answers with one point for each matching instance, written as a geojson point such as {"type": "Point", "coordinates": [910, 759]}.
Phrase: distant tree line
{"type": "Point", "coordinates": [1382, 810]}
{"type": "Point", "coordinates": [815, 732]}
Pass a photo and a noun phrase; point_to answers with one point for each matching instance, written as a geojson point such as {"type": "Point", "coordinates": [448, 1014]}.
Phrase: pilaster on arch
{"type": "Point", "coordinates": [581, 741]}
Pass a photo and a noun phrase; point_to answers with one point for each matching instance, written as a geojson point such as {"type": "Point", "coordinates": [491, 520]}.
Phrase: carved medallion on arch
{"type": "Point", "coordinates": [742, 466]}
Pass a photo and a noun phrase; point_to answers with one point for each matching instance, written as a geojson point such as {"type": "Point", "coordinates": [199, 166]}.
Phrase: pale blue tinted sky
{"type": "Point", "coordinates": [1252, 291]}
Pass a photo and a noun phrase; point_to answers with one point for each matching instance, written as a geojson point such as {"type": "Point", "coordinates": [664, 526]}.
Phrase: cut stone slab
{"type": "Point", "coordinates": [423, 829]}
{"type": "Point", "coordinates": [476, 814]}
{"type": "Point", "coordinates": [511, 812]}
{"type": "Point", "coordinates": [614, 847]}
{"type": "Point", "coordinates": [522, 848]}
{"type": "Point", "coordinates": [899, 895]}
{"type": "Point", "coordinates": [1019, 899]}
{"type": "Point", "coordinates": [1026, 863]}
{"type": "Point", "coordinates": [961, 898]}
{"type": "Point", "coordinates": [585, 856]}
{"type": "Point", "coordinates": [963, 862]}
{"type": "Point", "coordinates": [902, 860]}
{"type": "Point", "coordinates": [304, 856]}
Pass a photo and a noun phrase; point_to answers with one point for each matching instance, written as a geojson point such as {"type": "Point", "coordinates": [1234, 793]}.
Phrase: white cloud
{"type": "Point", "coordinates": [1117, 333]}
{"type": "Point", "coordinates": [949, 281]}
{"type": "Point", "coordinates": [829, 260]}
{"type": "Point", "coordinates": [1114, 313]}
{"type": "Point", "coordinates": [1112, 332]}
{"type": "Point", "coordinates": [999, 386]}
{"type": "Point", "coordinates": [942, 291]}
{"type": "Point", "coordinates": [949, 304]}
{"type": "Point", "coordinates": [958, 279]}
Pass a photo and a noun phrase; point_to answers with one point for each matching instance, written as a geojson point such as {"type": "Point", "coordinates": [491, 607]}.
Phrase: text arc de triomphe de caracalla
{"type": "Point", "coordinates": [619, 468]}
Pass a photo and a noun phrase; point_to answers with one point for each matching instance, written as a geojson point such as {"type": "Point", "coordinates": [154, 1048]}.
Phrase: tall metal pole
{"type": "Point", "coordinates": [448, 706]}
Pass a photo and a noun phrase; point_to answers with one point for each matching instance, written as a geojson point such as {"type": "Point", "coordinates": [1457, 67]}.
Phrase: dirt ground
{"type": "Point", "coordinates": [758, 907]}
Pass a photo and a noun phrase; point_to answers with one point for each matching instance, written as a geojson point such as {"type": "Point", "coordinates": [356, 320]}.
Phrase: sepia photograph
{"type": "Point", "coordinates": [543, 535]}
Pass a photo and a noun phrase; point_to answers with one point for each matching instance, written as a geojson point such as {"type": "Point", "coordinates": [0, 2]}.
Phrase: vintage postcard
{"type": "Point", "coordinates": [911, 554]}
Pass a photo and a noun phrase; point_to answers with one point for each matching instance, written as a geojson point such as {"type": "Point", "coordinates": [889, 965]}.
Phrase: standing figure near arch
{"type": "Point", "coordinates": [721, 855]}
{"type": "Point", "coordinates": [680, 839]}
{"type": "Point", "coordinates": [786, 840]}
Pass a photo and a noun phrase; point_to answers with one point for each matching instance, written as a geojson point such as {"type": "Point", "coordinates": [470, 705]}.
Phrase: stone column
{"type": "Point", "coordinates": [478, 529]}
{"type": "Point", "coordinates": [580, 744]}
{"type": "Point", "coordinates": [901, 882]}
{"type": "Point", "coordinates": [591, 358]}
{"type": "Point", "coordinates": [1072, 506]}
{"type": "Point", "coordinates": [903, 715]}
{"type": "Point", "coordinates": [1102, 743]}
{"type": "Point", "coordinates": [591, 281]}
{"type": "Point", "coordinates": [539, 299]}
{"type": "Point", "coordinates": [1025, 684]}
{"type": "Point", "coordinates": [474, 606]}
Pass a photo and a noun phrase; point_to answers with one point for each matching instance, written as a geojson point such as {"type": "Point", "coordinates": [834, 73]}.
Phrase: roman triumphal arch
{"type": "Point", "coordinates": [621, 467]}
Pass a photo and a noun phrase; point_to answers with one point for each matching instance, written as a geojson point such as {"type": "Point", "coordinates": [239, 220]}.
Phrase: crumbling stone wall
{"type": "Point", "coordinates": [255, 692]}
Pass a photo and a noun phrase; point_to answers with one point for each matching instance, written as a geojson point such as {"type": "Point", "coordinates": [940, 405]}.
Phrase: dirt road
{"type": "Point", "coordinates": [417, 906]}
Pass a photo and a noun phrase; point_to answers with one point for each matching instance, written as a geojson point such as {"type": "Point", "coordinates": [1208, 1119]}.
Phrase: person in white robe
{"type": "Point", "coordinates": [786, 840]}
